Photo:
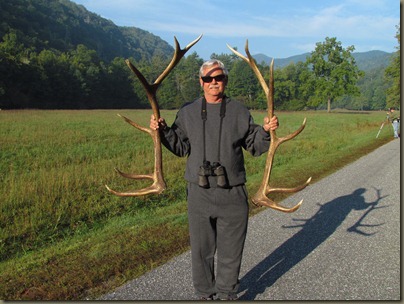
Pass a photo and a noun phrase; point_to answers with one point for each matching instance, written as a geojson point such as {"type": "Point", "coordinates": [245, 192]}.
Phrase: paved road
{"type": "Point", "coordinates": [342, 244]}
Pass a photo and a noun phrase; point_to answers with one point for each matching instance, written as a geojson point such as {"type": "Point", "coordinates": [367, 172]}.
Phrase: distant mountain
{"type": "Point", "coordinates": [63, 24]}
{"type": "Point", "coordinates": [373, 59]}
{"type": "Point", "coordinates": [280, 62]}
{"type": "Point", "coordinates": [366, 60]}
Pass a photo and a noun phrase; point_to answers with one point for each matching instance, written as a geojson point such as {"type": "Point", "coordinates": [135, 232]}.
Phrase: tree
{"type": "Point", "coordinates": [288, 86]}
{"type": "Point", "coordinates": [16, 70]}
{"type": "Point", "coordinates": [392, 75]}
{"type": "Point", "coordinates": [227, 59]}
{"type": "Point", "coordinates": [243, 84]}
{"type": "Point", "coordinates": [118, 87]}
{"type": "Point", "coordinates": [186, 79]}
{"type": "Point", "coordinates": [56, 86]}
{"type": "Point", "coordinates": [335, 71]}
{"type": "Point", "coordinates": [373, 88]}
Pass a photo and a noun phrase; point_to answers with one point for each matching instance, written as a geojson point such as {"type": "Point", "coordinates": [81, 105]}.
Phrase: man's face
{"type": "Point", "coordinates": [214, 88]}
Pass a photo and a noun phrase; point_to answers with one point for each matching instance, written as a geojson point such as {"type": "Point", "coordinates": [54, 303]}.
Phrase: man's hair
{"type": "Point", "coordinates": [210, 63]}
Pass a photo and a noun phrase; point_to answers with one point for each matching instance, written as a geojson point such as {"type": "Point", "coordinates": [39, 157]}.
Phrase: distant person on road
{"type": "Point", "coordinates": [393, 117]}
{"type": "Point", "coordinates": [212, 132]}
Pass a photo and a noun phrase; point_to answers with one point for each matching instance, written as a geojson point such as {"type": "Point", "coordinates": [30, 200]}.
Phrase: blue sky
{"type": "Point", "coordinates": [276, 28]}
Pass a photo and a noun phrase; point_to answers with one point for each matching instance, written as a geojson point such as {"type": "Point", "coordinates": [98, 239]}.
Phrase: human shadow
{"type": "Point", "coordinates": [314, 231]}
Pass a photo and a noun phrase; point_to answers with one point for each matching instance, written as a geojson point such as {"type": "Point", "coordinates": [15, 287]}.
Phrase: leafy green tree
{"type": "Point", "coordinates": [307, 87]}
{"type": "Point", "coordinates": [186, 79]}
{"type": "Point", "coordinates": [288, 83]}
{"type": "Point", "coordinates": [373, 93]}
{"type": "Point", "coordinates": [118, 87]}
{"type": "Point", "coordinates": [285, 88]}
{"type": "Point", "coordinates": [17, 72]}
{"type": "Point", "coordinates": [373, 88]}
{"type": "Point", "coordinates": [243, 84]}
{"type": "Point", "coordinates": [392, 74]}
{"type": "Point", "coordinates": [378, 101]}
{"type": "Point", "coordinates": [361, 103]}
{"type": "Point", "coordinates": [335, 71]}
{"type": "Point", "coordinates": [56, 85]}
{"type": "Point", "coordinates": [85, 62]}
{"type": "Point", "coordinates": [227, 59]}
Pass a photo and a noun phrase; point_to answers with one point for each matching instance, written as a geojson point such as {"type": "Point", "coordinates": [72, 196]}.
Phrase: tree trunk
{"type": "Point", "coordinates": [329, 105]}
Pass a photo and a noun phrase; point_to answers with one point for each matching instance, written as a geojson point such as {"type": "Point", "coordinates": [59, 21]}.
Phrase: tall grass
{"type": "Point", "coordinates": [63, 236]}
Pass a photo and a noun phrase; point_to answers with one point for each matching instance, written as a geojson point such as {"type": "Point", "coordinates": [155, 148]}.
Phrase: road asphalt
{"type": "Point", "coordinates": [342, 244]}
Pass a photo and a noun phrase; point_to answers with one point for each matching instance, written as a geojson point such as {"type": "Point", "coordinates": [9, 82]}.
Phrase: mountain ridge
{"type": "Point", "coordinates": [365, 60]}
{"type": "Point", "coordinates": [63, 24]}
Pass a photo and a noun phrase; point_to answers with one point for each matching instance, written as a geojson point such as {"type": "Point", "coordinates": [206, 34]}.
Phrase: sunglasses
{"type": "Point", "coordinates": [220, 77]}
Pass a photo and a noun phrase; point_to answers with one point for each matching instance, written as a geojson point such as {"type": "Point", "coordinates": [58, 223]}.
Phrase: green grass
{"type": "Point", "coordinates": [63, 236]}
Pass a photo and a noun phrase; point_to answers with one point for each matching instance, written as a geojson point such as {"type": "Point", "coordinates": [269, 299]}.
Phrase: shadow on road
{"type": "Point", "coordinates": [314, 231]}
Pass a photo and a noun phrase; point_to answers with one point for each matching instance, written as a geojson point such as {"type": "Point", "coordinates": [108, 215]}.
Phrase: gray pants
{"type": "Point", "coordinates": [396, 126]}
{"type": "Point", "coordinates": [218, 220]}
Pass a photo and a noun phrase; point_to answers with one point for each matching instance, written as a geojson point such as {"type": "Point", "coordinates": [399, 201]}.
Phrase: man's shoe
{"type": "Point", "coordinates": [229, 298]}
{"type": "Point", "coordinates": [206, 298]}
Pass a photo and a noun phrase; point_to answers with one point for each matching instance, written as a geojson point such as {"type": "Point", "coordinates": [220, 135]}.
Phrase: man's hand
{"type": "Point", "coordinates": [270, 125]}
{"type": "Point", "coordinates": [154, 124]}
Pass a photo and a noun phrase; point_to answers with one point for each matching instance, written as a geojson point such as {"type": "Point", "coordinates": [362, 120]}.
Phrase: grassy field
{"type": "Point", "coordinates": [63, 236]}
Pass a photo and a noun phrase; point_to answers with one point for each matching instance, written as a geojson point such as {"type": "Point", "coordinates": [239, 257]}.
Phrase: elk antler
{"type": "Point", "coordinates": [260, 198]}
{"type": "Point", "coordinates": [159, 184]}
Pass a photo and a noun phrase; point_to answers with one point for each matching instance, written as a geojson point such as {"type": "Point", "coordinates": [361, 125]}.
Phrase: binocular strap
{"type": "Point", "coordinates": [204, 116]}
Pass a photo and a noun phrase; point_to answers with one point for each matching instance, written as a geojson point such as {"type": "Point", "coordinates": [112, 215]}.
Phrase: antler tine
{"type": "Point", "coordinates": [178, 54]}
{"type": "Point", "coordinates": [265, 201]}
{"type": "Point", "coordinates": [159, 184]}
{"type": "Point", "coordinates": [137, 126]}
{"type": "Point", "coordinates": [141, 192]}
{"type": "Point", "coordinates": [150, 90]}
{"type": "Point", "coordinates": [260, 198]}
{"type": "Point", "coordinates": [294, 134]}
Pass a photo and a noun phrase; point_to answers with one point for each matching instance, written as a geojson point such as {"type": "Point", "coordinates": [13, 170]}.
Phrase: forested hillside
{"type": "Point", "coordinates": [62, 25]}
{"type": "Point", "coordinates": [56, 54]}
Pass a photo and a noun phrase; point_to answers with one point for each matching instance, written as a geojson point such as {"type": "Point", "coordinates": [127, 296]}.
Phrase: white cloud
{"type": "Point", "coordinates": [304, 47]}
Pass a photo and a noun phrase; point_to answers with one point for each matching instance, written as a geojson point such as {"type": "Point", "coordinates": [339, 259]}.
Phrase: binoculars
{"type": "Point", "coordinates": [215, 169]}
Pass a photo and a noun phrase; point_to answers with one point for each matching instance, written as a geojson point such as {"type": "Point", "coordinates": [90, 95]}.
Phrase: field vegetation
{"type": "Point", "coordinates": [63, 236]}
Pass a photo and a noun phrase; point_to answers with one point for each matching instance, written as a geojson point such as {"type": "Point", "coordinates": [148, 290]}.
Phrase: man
{"type": "Point", "coordinates": [212, 131]}
{"type": "Point", "coordinates": [394, 118]}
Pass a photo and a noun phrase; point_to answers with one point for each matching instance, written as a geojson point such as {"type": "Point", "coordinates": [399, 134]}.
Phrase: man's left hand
{"type": "Point", "coordinates": [270, 124]}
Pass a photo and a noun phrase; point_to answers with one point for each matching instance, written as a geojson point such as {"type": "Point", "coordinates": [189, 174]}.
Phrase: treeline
{"type": "Point", "coordinates": [79, 79]}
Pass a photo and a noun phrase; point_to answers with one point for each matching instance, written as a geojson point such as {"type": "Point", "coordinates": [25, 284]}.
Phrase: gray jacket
{"type": "Point", "coordinates": [185, 138]}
